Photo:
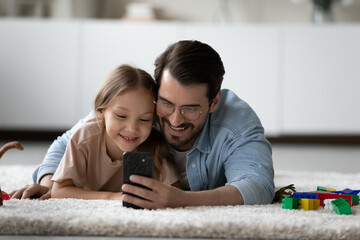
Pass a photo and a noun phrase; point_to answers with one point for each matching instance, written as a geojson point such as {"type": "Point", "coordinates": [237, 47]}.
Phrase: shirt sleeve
{"type": "Point", "coordinates": [56, 151]}
{"type": "Point", "coordinates": [72, 166]}
{"type": "Point", "coordinates": [249, 168]}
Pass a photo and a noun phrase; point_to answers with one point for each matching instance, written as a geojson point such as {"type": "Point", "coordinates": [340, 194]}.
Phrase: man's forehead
{"type": "Point", "coordinates": [170, 82]}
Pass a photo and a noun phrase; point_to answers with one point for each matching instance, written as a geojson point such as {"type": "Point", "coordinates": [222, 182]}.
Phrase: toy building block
{"type": "Point", "coordinates": [10, 145]}
{"type": "Point", "coordinates": [3, 196]}
{"type": "Point", "coordinates": [341, 206]}
{"type": "Point", "coordinates": [309, 204]}
{"type": "Point", "coordinates": [307, 195]}
{"type": "Point", "coordinates": [327, 205]}
{"type": "Point", "coordinates": [290, 203]}
{"type": "Point", "coordinates": [347, 191]}
{"type": "Point", "coordinates": [284, 192]}
{"type": "Point", "coordinates": [355, 199]}
{"type": "Point", "coordinates": [3, 149]}
{"type": "Point", "coordinates": [324, 195]}
{"type": "Point", "coordinates": [325, 189]}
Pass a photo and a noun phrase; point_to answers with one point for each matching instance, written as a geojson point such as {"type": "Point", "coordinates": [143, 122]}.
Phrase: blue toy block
{"type": "Point", "coordinates": [347, 191]}
{"type": "Point", "coordinates": [307, 195]}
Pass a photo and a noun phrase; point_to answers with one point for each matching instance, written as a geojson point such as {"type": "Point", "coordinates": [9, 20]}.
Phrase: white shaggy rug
{"type": "Point", "coordinates": [109, 218]}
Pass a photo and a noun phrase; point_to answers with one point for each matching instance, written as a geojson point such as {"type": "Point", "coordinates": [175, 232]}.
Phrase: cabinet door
{"type": "Point", "coordinates": [321, 80]}
{"type": "Point", "coordinates": [250, 57]}
{"type": "Point", "coordinates": [38, 80]}
{"type": "Point", "coordinates": [108, 44]}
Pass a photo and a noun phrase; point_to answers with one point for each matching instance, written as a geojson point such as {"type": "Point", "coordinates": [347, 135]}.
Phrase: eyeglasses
{"type": "Point", "coordinates": [166, 108]}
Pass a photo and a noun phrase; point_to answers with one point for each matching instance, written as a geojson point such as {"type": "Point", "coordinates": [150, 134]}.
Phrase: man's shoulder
{"type": "Point", "coordinates": [233, 112]}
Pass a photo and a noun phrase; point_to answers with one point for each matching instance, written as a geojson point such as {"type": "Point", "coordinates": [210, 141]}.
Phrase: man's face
{"type": "Point", "coordinates": [191, 100]}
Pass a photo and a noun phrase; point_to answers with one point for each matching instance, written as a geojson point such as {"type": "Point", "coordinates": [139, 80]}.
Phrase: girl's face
{"type": "Point", "coordinates": [128, 121]}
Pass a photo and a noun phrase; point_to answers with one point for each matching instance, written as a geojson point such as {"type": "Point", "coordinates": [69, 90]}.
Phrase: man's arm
{"type": "Point", "coordinates": [249, 167]}
{"type": "Point", "coordinates": [163, 196]}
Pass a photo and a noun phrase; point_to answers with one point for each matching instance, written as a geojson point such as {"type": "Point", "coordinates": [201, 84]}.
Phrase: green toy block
{"type": "Point", "coordinates": [355, 199]}
{"type": "Point", "coordinates": [341, 206]}
{"type": "Point", "coordinates": [290, 203]}
{"type": "Point", "coordinates": [325, 189]}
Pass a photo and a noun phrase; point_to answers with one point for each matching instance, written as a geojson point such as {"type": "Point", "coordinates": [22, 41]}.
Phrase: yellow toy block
{"type": "Point", "coordinates": [309, 204]}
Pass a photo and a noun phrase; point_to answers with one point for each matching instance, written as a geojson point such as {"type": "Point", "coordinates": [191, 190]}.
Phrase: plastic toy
{"type": "Point", "coordinates": [284, 192]}
{"type": "Point", "coordinates": [290, 203]}
{"type": "Point", "coordinates": [302, 203]}
{"type": "Point", "coordinates": [322, 196]}
{"type": "Point", "coordinates": [347, 191]}
{"type": "Point", "coordinates": [7, 146]}
{"type": "Point", "coordinates": [339, 202]}
{"type": "Point", "coordinates": [325, 189]}
{"type": "Point", "coordinates": [341, 206]}
{"type": "Point", "coordinates": [309, 204]}
{"type": "Point", "coordinates": [327, 205]}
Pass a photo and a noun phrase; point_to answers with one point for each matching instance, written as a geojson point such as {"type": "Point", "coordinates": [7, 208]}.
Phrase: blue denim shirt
{"type": "Point", "coordinates": [231, 150]}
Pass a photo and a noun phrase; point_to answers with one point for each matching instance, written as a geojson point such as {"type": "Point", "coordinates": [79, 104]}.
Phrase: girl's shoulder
{"type": "Point", "coordinates": [87, 131]}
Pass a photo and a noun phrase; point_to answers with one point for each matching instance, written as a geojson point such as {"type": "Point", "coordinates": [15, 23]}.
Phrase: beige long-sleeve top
{"type": "Point", "coordinates": [87, 164]}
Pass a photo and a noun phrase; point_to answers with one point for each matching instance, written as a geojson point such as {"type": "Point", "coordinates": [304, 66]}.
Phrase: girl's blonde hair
{"type": "Point", "coordinates": [121, 79]}
{"type": "Point", "coordinates": [124, 78]}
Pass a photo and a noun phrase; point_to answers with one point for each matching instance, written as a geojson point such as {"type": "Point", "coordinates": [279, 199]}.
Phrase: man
{"type": "Point", "coordinates": [218, 142]}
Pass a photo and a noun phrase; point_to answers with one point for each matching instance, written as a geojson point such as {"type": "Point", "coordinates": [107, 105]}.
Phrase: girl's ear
{"type": "Point", "coordinates": [215, 102]}
{"type": "Point", "coordinates": [100, 113]}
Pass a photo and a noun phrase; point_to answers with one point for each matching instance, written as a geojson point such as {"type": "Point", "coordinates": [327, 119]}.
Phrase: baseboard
{"type": "Point", "coordinates": [30, 135]}
{"type": "Point", "coordinates": [46, 135]}
{"type": "Point", "coordinates": [316, 139]}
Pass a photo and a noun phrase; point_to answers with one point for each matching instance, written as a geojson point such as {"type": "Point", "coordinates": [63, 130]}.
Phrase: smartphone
{"type": "Point", "coordinates": [139, 163]}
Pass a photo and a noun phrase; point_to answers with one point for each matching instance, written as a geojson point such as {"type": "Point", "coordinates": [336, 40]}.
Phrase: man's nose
{"type": "Point", "coordinates": [176, 118]}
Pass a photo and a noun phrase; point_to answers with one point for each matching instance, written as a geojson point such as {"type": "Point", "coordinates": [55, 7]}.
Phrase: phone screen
{"type": "Point", "coordinates": [138, 163]}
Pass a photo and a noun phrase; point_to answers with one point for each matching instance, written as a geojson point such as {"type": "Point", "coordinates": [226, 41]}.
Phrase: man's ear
{"type": "Point", "coordinates": [215, 102]}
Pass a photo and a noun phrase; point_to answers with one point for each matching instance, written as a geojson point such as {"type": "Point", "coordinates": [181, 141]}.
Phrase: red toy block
{"type": "Point", "coordinates": [5, 196]}
{"type": "Point", "coordinates": [325, 195]}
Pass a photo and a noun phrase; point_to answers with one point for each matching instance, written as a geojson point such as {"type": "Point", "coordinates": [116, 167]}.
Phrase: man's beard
{"type": "Point", "coordinates": [175, 141]}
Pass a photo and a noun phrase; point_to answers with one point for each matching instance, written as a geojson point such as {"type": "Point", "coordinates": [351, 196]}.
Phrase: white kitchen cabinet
{"type": "Point", "coordinates": [250, 56]}
{"type": "Point", "coordinates": [321, 80]}
{"type": "Point", "coordinates": [108, 44]}
{"type": "Point", "coordinates": [300, 79]}
{"type": "Point", "coordinates": [39, 70]}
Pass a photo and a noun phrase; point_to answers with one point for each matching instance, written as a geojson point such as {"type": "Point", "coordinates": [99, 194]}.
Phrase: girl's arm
{"type": "Point", "coordinates": [56, 152]}
{"type": "Point", "coordinates": [67, 189]}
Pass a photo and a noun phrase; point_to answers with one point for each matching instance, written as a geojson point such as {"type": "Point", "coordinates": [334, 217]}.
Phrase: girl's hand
{"type": "Point", "coordinates": [32, 191]}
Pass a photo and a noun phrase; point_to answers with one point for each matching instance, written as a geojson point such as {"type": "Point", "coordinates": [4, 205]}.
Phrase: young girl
{"type": "Point", "coordinates": [91, 167]}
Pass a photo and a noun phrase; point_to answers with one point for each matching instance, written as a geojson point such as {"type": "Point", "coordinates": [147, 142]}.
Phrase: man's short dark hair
{"type": "Point", "coordinates": [192, 62]}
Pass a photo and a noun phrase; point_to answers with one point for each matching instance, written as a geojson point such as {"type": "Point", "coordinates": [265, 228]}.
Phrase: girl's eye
{"type": "Point", "coordinates": [144, 120]}
{"type": "Point", "coordinates": [120, 116]}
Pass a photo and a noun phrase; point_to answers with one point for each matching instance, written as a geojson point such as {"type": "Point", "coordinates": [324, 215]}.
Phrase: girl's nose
{"type": "Point", "coordinates": [132, 126]}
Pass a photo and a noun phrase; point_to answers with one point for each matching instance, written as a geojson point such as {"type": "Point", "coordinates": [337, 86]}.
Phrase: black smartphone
{"type": "Point", "coordinates": [139, 163]}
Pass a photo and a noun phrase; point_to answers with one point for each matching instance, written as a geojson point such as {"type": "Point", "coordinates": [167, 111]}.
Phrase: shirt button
{"type": "Point", "coordinates": [193, 165]}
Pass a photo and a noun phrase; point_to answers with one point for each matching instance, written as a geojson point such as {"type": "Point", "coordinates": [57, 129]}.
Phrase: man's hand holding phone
{"type": "Point", "coordinates": [136, 163]}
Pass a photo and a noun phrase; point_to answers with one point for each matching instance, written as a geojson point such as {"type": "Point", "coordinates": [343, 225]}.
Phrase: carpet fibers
{"type": "Point", "coordinates": [109, 218]}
